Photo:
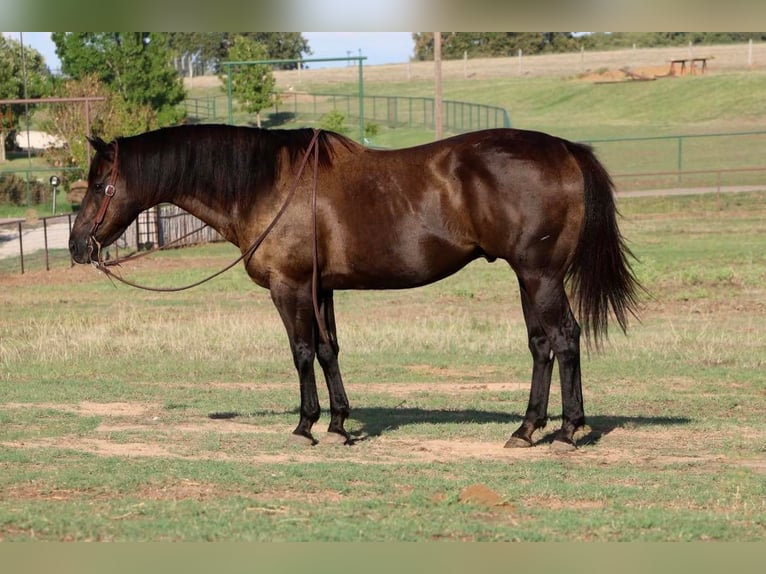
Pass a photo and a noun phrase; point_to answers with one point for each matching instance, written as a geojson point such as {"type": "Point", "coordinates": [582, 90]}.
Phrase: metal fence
{"type": "Point", "coordinates": [396, 111]}
{"type": "Point", "coordinates": [684, 160]}
{"type": "Point", "coordinates": [43, 244]}
{"type": "Point", "coordinates": [165, 224]}
{"type": "Point", "coordinates": [389, 111]}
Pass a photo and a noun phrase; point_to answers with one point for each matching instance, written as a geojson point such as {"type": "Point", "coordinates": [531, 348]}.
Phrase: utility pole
{"type": "Point", "coordinates": [26, 112]}
{"type": "Point", "coordinates": [438, 85]}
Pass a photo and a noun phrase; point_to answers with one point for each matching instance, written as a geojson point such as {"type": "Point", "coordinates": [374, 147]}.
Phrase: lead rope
{"type": "Point", "coordinates": [315, 256]}
{"type": "Point", "coordinates": [103, 266]}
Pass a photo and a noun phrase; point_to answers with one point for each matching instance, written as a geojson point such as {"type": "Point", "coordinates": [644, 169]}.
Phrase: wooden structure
{"type": "Point", "coordinates": [688, 66]}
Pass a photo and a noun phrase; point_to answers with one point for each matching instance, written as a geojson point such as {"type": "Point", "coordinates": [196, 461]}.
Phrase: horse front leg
{"type": "Point", "coordinates": [327, 353]}
{"type": "Point", "coordinates": [295, 309]}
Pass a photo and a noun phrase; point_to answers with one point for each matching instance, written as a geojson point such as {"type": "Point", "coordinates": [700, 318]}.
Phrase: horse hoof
{"type": "Point", "coordinates": [560, 446]}
{"type": "Point", "coordinates": [302, 440]}
{"type": "Point", "coordinates": [518, 442]}
{"type": "Point", "coordinates": [335, 438]}
{"type": "Point", "coordinates": [582, 432]}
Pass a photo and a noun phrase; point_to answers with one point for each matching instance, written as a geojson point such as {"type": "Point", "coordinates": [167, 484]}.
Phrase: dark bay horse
{"type": "Point", "coordinates": [372, 219]}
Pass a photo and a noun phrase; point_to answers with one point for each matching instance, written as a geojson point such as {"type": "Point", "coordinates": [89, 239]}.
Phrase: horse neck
{"type": "Point", "coordinates": [218, 217]}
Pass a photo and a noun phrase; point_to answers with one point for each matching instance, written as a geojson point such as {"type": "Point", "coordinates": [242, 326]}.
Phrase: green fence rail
{"type": "Point", "coordinates": [390, 111]}
{"type": "Point", "coordinates": [688, 156]}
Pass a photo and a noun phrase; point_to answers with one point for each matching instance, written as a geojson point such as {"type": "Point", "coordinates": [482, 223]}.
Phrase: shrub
{"type": "Point", "coordinates": [333, 121]}
{"type": "Point", "coordinates": [371, 130]}
{"type": "Point", "coordinates": [13, 191]}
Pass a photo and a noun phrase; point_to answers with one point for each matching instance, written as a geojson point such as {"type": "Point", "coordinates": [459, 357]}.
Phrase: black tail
{"type": "Point", "coordinates": [600, 275]}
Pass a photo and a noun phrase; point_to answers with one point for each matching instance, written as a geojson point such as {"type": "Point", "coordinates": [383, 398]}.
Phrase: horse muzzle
{"type": "Point", "coordinates": [81, 249]}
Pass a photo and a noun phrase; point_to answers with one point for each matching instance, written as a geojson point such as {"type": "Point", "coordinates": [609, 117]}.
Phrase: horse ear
{"type": "Point", "coordinates": [101, 147]}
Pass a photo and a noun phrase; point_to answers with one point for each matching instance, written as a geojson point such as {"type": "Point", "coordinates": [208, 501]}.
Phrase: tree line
{"type": "Point", "coordinates": [457, 45]}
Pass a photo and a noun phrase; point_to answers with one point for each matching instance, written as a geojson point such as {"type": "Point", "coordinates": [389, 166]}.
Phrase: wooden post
{"type": "Point", "coordinates": [438, 85]}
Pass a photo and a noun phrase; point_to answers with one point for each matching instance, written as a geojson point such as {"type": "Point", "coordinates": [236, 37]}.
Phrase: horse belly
{"type": "Point", "coordinates": [396, 263]}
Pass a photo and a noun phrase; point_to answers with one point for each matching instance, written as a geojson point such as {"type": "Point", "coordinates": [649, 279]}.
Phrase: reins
{"type": "Point", "coordinates": [109, 191]}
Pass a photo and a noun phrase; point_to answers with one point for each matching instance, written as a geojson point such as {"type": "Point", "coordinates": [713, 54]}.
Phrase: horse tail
{"type": "Point", "coordinates": [600, 275]}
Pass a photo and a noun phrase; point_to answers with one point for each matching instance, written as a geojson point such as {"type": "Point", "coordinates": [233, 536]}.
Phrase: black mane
{"type": "Point", "coordinates": [221, 162]}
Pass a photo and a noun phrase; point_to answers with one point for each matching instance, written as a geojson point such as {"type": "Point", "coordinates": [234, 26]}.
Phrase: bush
{"type": "Point", "coordinates": [333, 122]}
{"type": "Point", "coordinates": [371, 130]}
{"type": "Point", "coordinates": [13, 191]}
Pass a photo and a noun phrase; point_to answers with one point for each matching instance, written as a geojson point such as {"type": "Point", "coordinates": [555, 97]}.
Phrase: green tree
{"type": "Point", "coordinates": [282, 46]}
{"type": "Point", "coordinates": [136, 65]}
{"type": "Point", "coordinates": [110, 116]}
{"type": "Point", "coordinates": [492, 44]}
{"type": "Point", "coordinates": [39, 83]}
{"type": "Point", "coordinates": [205, 50]}
{"type": "Point", "coordinates": [209, 49]}
{"type": "Point", "coordinates": [253, 84]}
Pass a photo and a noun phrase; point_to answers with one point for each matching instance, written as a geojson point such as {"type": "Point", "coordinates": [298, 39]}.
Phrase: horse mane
{"type": "Point", "coordinates": [223, 163]}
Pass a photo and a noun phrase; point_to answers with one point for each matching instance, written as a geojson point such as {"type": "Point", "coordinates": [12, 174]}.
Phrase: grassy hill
{"type": "Point", "coordinates": [560, 93]}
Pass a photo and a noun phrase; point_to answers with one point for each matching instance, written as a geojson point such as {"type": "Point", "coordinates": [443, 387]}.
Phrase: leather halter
{"type": "Point", "coordinates": [109, 192]}
{"type": "Point", "coordinates": [313, 146]}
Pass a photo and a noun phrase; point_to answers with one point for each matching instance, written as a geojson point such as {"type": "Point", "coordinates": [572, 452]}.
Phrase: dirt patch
{"type": "Point", "coordinates": [39, 491]}
{"type": "Point", "coordinates": [480, 494]}
{"type": "Point", "coordinates": [119, 409]}
{"type": "Point", "coordinates": [556, 503]}
{"type": "Point", "coordinates": [627, 74]}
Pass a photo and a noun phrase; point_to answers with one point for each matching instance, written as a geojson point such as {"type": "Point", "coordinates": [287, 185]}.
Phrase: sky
{"type": "Point", "coordinates": [377, 47]}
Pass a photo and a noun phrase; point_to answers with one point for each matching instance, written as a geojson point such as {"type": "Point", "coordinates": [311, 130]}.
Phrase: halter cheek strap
{"type": "Point", "coordinates": [109, 191]}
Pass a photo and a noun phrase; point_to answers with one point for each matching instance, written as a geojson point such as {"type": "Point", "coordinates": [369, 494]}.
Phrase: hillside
{"type": "Point", "coordinates": [564, 93]}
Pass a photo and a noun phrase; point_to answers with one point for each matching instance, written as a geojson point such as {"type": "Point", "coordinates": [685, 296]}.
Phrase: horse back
{"type": "Point", "coordinates": [408, 217]}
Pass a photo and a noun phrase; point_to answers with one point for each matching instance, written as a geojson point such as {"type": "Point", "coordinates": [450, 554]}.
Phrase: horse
{"type": "Point", "coordinates": [367, 218]}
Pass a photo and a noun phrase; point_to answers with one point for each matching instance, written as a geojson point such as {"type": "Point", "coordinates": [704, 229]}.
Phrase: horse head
{"type": "Point", "coordinates": [107, 208]}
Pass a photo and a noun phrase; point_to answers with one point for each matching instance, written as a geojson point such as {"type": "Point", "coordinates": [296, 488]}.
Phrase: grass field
{"type": "Point", "coordinates": [135, 416]}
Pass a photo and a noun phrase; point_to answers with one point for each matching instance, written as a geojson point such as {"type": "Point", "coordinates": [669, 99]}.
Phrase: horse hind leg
{"type": "Point", "coordinates": [549, 304]}
{"type": "Point", "coordinates": [536, 416]}
{"type": "Point", "coordinates": [327, 354]}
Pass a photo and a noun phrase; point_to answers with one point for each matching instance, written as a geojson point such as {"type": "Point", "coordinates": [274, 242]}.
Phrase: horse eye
{"type": "Point", "coordinates": [98, 186]}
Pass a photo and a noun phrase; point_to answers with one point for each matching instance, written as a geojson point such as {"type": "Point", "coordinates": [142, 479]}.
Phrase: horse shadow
{"type": "Point", "coordinates": [372, 422]}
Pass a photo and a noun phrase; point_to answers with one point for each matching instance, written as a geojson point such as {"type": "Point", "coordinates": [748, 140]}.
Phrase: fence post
{"type": "Point", "coordinates": [45, 242]}
{"type": "Point", "coordinates": [680, 157]}
{"type": "Point", "coordinates": [158, 226]}
{"type": "Point", "coordinates": [69, 220]}
{"type": "Point", "coordinates": [21, 249]}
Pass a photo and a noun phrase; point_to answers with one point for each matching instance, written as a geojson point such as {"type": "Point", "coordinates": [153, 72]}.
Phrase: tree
{"type": "Point", "coordinates": [12, 83]}
{"type": "Point", "coordinates": [253, 84]}
{"type": "Point", "coordinates": [208, 49]}
{"type": "Point", "coordinates": [204, 51]}
{"type": "Point", "coordinates": [110, 117]}
{"type": "Point", "coordinates": [282, 46]}
{"type": "Point", "coordinates": [488, 44]}
{"type": "Point", "coordinates": [136, 65]}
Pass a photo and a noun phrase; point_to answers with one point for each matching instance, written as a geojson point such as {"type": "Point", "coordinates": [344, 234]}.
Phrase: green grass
{"type": "Point", "coordinates": [136, 416]}
{"type": "Point", "coordinates": [579, 109]}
